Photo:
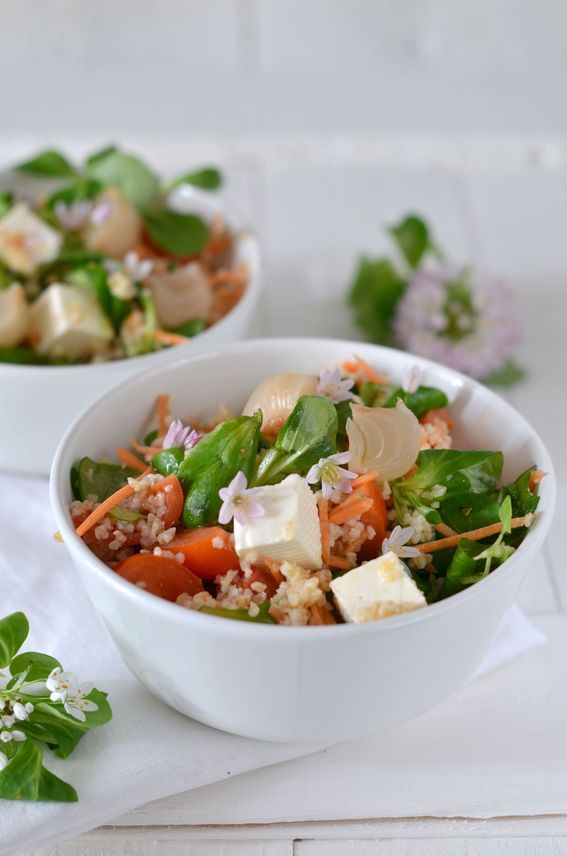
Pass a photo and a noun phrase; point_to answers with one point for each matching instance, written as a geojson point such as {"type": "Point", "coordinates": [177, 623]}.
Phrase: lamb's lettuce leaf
{"type": "Point", "coordinates": [308, 434]}
{"type": "Point", "coordinates": [98, 478]}
{"type": "Point", "coordinates": [213, 463]}
{"type": "Point", "coordinates": [420, 402]}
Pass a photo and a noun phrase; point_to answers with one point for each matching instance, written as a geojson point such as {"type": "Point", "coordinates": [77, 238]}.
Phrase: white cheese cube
{"type": "Point", "coordinates": [26, 241]}
{"type": "Point", "coordinates": [14, 315]}
{"type": "Point", "coordinates": [289, 531]}
{"type": "Point", "coordinates": [376, 589]}
{"type": "Point", "coordinates": [66, 322]}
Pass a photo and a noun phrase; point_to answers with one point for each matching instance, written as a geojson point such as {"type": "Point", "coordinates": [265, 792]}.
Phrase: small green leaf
{"type": "Point", "coordinates": [208, 178]}
{"type": "Point", "coordinates": [33, 666]}
{"type": "Point", "coordinates": [468, 511]}
{"type": "Point", "coordinates": [420, 402]}
{"type": "Point", "coordinates": [98, 478]}
{"type": "Point", "coordinates": [180, 234]}
{"type": "Point", "coordinates": [81, 189]}
{"type": "Point", "coordinates": [412, 237]}
{"type": "Point", "coordinates": [126, 172]}
{"type": "Point", "coordinates": [49, 163]}
{"type": "Point", "coordinates": [191, 328]}
{"type": "Point", "coordinates": [25, 778]}
{"type": "Point", "coordinates": [21, 356]}
{"type": "Point", "coordinates": [263, 616]}
{"type": "Point", "coordinates": [129, 515]}
{"type": "Point", "coordinates": [523, 500]}
{"type": "Point", "coordinates": [14, 630]}
{"type": "Point", "coordinates": [100, 155]}
{"type": "Point", "coordinates": [214, 462]}
{"type": "Point", "coordinates": [374, 297]}
{"type": "Point", "coordinates": [168, 461]}
{"type": "Point", "coordinates": [6, 202]}
{"type": "Point", "coordinates": [509, 373]}
{"type": "Point", "coordinates": [505, 515]}
{"type": "Point", "coordinates": [308, 434]}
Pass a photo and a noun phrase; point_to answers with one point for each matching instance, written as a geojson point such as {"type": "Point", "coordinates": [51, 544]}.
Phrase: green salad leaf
{"type": "Point", "coordinates": [308, 434]}
{"type": "Point", "coordinates": [420, 402]}
{"type": "Point", "coordinates": [168, 461]}
{"type": "Point", "coordinates": [6, 202]}
{"type": "Point", "coordinates": [374, 296]}
{"type": "Point", "coordinates": [21, 356]}
{"type": "Point", "coordinates": [49, 163]}
{"type": "Point", "coordinates": [129, 174]}
{"type": "Point", "coordinates": [191, 328]}
{"type": "Point", "coordinates": [82, 188]}
{"type": "Point", "coordinates": [468, 511]}
{"type": "Point", "coordinates": [208, 178]}
{"type": "Point", "coordinates": [179, 234]}
{"type": "Point", "coordinates": [14, 630]}
{"type": "Point", "coordinates": [445, 473]}
{"type": "Point", "coordinates": [98, 478]}
{"type": "Point", "coordinates": [212, 464]}
{"type": "Point", "coordinates": [263, 616]}
{"type": "Point", "coordinates": [32, 717]}
{"type": "Point", "coordinates": [523, 500]}
{"type": "Point", "coordinates": [412, 237]}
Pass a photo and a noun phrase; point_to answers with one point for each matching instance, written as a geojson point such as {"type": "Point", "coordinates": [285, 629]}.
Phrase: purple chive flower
{"type": "Point", "coordinates": [100, 213]}
{"type": "Point", "coordinates": [411, 379]}
{"type": "Point", "coordinates": [73, 217]}
{"type": "Point", "coordinates": [469, 326]}
{"type": "Point", "coordinates": [180, 436]}
{"type": "Point", "coordinates": [396, 543]}
{"type": "Point", "coordinates": [331, 475]}
{"type": "Point", "coordinates": [240, 502]}
{"type": "Point", "coordinates": [332, 387]}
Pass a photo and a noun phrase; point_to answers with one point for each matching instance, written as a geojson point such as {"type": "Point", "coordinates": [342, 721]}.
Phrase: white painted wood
{"type": "Point", "coordinates": [435, 847]}
{"type": "Point", "coordinates": [177, 845]}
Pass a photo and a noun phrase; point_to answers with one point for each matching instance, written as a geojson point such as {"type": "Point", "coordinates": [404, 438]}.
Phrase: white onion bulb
{"type": "Point", "coordinates": [384, 439]}
{"type": "Point", "coordinates": [277, 396]}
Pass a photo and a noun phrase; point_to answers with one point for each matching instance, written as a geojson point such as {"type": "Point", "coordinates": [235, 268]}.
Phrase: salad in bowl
{"type": "Point", "coordinates": [292, 543]}
{"type": "Point", "coordinates": [105, 271]}
{"type": "Point", "coordinates": [333, 497]}
{"type": "Point", "coordinates": [99, 264]}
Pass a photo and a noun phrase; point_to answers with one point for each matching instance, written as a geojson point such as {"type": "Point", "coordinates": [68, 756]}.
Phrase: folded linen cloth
{"type": "Point", "coordinates": [147, 751]}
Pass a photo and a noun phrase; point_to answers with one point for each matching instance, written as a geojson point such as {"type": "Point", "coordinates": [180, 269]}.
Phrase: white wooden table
{"type": "Point", "coordinates": [485, 773]}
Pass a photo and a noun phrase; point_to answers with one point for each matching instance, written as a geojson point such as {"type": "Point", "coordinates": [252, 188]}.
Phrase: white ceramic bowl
{"type": "Point", "coordinates": [38, 403]}
{"type": "Point", "coordinates": [292, 683]}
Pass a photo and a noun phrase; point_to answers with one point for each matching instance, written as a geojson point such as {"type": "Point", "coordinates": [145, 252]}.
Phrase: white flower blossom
{"type": "Point", "coordinates": [331, 475]}
{"type": "Point", "coordinates": [239, 502]}
{"type": "Point", "coordinates": [332, 387]}
{"type": "Point", "coordinates": [19, 711]}
{"type": "Point", "coordinates": [397, 541]}
{"type": "Point", "coordinates": [8, 736]}
{"type": "Point", "coordinates": [74, 215]}
{"type": "Point", "coordinates": [411, 379]}
{"type": "Point", "coordinates": [59, 683]}
{"type": "Point", "coordinates": [180, 436]}
{"type": "Point", "coordinates": [77, 702]}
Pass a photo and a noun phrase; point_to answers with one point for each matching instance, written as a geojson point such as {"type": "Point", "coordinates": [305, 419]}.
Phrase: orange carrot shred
{"type": "Point", "coordinates": [274, 569]}
{"type": "Point", "coordinates": [535, 479]}
{"type": "Point", "coordinates": [320, 615]}
{"type": "Point", "coordinates": [164, 417]}
{"type": "Point", "coordinates": [166, 338]}
{"type": "Point", "coordinates": [352, 511]}
{"type": "Point", "coordinates": [363, 478]}
{"type": "Point", "coordinates": [325, 533]}
{"type": "Point", "coordinates": [363, 370]}
{"type": "Point", "coordinates": [150, 451]}
{"type": "Point", "coordinates": [127, 459]}
{"type": "Point", "coordinates": [109, 503]}
{"type": "Point", "coordinates": [473, 535]}
{"type": "Point", "coordinates": [443, 529]}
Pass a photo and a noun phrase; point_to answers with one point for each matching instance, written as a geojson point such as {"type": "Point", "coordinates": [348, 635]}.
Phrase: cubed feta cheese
{"type": "Point", "coordinates": [289, 531]}
{"type": "Point", "coordinates": [14, 315]}
{"type": "Point", "coordinates": [67, 322]}
{"type": "Point", "coordinates": [376, 589]}
{"type": "Point", "coordinates": [26, 241]}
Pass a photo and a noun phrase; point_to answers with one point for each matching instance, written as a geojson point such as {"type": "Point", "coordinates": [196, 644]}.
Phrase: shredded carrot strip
{"type": "Point", "coordinates": [167, 338]}
{"type": "Point", "coordinates": [102, 510]}
{"type": "Point", "coordinates": [363, 370]}
{"type": "Point", "coordinates": [320, 615]}
{"type": "Point", "coordinates": [233, 276]}
{"type": "Point", "coordinates": [353, 497]}
{"type": "Point", "coordinates": [276, 614]}
{"type": "Point", "coordinates": [150, 451]}
{"type": "Point", "coordinates": [443, 529]}
{"type": "Point", "coordinates": [364, 478]}
{"type": "Point", "coordinates": [473, 535]}
{"type": "Point", "coordinates": [339, 562]}
{"type": "Point", "coordinates": [535, 479]}
{"type": "Point", "coordinates": [164, 417]}
{"type": "Point", "coordinates": [325, 534]}
{"type": "Point", "coordinates": [127, 459]}
{"type": "Point", "coordinates": [353, 511]}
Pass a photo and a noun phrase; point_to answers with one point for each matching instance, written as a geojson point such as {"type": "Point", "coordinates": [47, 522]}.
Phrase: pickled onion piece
{"type": "Point", "coordinates": [384, 439]}
{"type": "Point", "coordinates": [277, 396]}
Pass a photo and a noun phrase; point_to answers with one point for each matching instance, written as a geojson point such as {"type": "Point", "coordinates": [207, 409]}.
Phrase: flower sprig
{"type": "Point", "coordinates": [447, 313]}
{"type": "Point", "coordinates": [41, 705]}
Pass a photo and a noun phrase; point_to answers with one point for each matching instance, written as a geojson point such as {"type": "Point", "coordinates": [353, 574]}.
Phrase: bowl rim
{"type": "Point", "coordinates": [247, 239]}
{"type": "Point", "coordinates": [80, 553]}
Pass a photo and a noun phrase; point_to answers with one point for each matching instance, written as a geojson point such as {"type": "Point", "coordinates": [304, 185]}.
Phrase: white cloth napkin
{"type": "Point", "coordinates": [148, 751]}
